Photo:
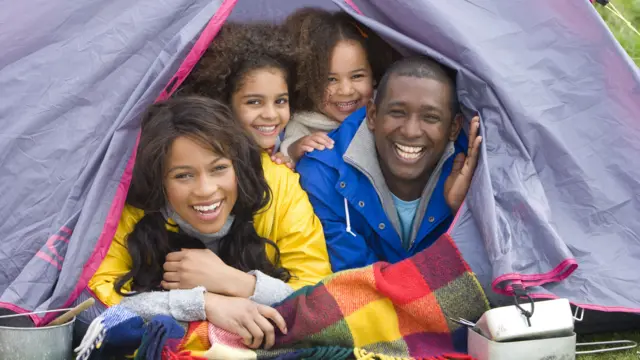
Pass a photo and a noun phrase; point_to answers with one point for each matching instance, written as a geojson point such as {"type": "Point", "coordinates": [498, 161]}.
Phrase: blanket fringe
{"type": "Point", "coordinates": [362, 354]}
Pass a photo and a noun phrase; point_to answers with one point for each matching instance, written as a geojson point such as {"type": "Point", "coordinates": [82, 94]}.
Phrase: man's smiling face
{"type": "Point", "coordinates": [412, 126]}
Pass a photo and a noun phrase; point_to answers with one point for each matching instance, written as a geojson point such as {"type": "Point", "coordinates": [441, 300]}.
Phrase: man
{"type": "Point", "coordinates": [397, 174]}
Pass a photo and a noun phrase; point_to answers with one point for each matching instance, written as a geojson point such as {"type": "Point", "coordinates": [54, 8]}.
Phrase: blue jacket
{"type": "Point", "coordinates": [357, 229]}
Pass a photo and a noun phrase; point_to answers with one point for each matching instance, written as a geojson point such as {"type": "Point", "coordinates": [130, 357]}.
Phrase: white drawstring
{"type": "Point", "coordinates": [346, 212]}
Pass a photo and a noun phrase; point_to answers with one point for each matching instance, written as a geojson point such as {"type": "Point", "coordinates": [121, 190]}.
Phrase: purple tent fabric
{"type": "Point", "coordinates": [554, 201]}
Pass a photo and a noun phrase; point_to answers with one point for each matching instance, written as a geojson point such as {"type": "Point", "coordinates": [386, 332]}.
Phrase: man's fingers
{"type": "Point", "coordinates": [474, 125]}
{"type": "Point", "coordinates": [274, 315]}
{"type": "Point", "coordinates": [473, 128]}
{"type": "Point", "coordinates": [458, 163]}
{"type": "Point", "coordinates": [476, 148]}
{"type": "Point", "coordinates": [267, 329]}
{"type": "Point", "coordinates": [472, 160]}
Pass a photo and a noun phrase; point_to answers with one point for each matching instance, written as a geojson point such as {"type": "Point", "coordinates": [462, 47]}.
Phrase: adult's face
{"type": "Point", "coordinates": [412, 126]}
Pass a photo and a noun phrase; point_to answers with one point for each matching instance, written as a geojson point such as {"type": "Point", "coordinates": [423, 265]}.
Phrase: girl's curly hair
{"type": "Point", "coordinates": [238, 49]}
{"type": "Point", "coordinates": [315, 33]}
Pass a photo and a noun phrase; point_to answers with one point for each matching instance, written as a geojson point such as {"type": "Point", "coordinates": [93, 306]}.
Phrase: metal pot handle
{"type": "Point", "coordinates": [629, 345]}
{"type": "Point", "coordinates": [34, 312]}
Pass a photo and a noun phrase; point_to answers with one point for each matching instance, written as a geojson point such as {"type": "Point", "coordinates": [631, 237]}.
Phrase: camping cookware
{"type": "Point", "coordinates": [531, 331]}
{"type": "Point", "coordinates": [50, 342]}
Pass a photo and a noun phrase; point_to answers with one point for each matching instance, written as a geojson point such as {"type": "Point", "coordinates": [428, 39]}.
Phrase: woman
{"type": "Point", "coordinates": [213, 220]}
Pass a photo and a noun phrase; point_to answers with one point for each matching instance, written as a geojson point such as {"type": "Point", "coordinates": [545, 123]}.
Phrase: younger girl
{"type": "Point", "coordinates": [339, 64]}
{"type": "Point", "coordinates": [251, 68]}
{"type": "Point", "coordinates": [204, 221]}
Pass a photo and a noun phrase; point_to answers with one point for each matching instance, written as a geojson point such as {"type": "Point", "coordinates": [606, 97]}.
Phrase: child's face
{"type": "Point", "coordinates": [261, 104]}
{"type": "Point", "coordinates": [350, 81]}
{"type": "Point", "coordinates": [200, 185]}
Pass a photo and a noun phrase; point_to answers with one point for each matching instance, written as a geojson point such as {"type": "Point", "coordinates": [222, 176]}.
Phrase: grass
{"type": "Point", "coordinates": [631, 354]}
{"type": "Point", "coordinates": [630, 41]}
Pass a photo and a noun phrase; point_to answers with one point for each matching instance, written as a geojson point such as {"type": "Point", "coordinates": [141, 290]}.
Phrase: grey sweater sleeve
{"type": "Point", "coordinates": [182, 305]}
{"type": "Point", "coordinates": [293, 133]}
{"type": "Point", "coordinates": [269, 290]}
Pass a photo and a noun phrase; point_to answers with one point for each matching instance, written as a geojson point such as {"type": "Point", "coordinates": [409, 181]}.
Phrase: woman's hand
{"type": "Point", "coordinates": [315, 141]}
{"type": "Point", "coordinates": [189, 268]}
{"type": "Point", "coordinates": [280, 158]}
{"type": "Point", "coordinates": [244, 318]}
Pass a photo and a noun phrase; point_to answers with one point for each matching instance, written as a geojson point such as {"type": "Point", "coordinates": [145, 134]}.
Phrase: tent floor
{"type": "Point", "coordinates": [595, 322]}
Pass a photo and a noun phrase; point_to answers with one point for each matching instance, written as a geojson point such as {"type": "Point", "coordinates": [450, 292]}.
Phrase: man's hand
{"type": "Point", "coordinates": [280, 158]}
{"type": "Point", "coordinates": [245, 318]}
{"type": "Point", "coordinates": [315, 141]}
{"type": "Point", "coordinates": [189, 268]}
{"type": "Point", "coordinates": [457, 184]}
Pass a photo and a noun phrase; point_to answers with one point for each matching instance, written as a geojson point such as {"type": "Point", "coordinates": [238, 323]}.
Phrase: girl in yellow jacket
{"type": "Point", "coordinates": [214, 221]}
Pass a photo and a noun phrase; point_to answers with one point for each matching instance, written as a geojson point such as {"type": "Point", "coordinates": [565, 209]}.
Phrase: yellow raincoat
{"type": "Point", "coordinates": [288, 220]}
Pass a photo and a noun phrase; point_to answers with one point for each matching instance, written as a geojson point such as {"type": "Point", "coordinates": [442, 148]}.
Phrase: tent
{"type": "Point", "coordinates": [553, 206]}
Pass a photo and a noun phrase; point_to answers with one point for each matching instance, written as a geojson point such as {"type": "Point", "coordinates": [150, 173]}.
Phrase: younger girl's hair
{"type": "Point", "coordinates": [237, 50]}
{"type": "Point", "coordinates": [316, 32]}
{"type": "Point", "coordinates": [209, 123]}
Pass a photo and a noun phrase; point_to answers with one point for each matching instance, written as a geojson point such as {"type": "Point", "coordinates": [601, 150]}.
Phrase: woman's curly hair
{"type": "Point", "coordinates": [238, 49]}
{"type": "Point", "coordinates": [315, 34]}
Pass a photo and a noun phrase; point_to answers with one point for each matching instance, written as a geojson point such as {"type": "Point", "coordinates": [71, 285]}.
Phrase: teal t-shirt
{"type": "Point", "coordinates": [407, 213]}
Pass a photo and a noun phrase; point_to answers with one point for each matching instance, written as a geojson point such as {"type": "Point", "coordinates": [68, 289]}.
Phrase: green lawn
{"type": "Point", "coordinates": [618, 355]}
{"type": "Point", "coordinates": [630, 41]}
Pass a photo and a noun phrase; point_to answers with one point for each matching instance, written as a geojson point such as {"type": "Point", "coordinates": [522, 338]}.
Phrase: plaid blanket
{"type": "Point", "coordinates": [378, 312]}
{"type": "Point", "coordinates": [383, 311]}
